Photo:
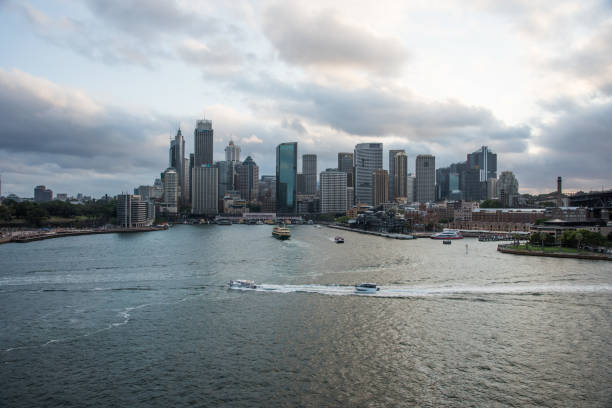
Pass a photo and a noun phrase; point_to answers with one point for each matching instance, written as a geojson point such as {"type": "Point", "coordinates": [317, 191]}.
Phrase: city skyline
{"type": "Point", "coordinates": [93, 113]}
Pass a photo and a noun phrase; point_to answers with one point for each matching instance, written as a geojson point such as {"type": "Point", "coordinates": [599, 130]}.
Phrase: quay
{"type": "Point", "coordinates": [505, 248]}
{"type": "Point", "coordinates": [378, 234]}
{"type": "Point", "coordinates": [30, 236]}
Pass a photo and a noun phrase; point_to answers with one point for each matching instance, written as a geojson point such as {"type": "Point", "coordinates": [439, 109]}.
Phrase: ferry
{"type": "Point", "coordinates": [366, 288]}
{"type": "Point", "coordinates": [447, 234]}
{"type": "Point", "coordinates": [242, 284]}
{"type": "Point", "coordinates": [281, 233]}
{"type": "Point", "coordinates": [338, 239]}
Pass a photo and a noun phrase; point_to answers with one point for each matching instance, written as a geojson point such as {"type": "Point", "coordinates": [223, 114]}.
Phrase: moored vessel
{"type": "Point", "coordinates": [447, 234]}
{"type": "Point", "coordinates": [366, 288]}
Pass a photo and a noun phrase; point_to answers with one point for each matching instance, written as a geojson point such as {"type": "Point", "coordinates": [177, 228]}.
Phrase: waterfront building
{"type": "Point", "coordinates": [308, 204]}
{"type": "Point", "coordinates": [333, 191]}
{"type": "Point", "coordinates": [42, 194]}
{"type": "Point", "coordinates": [300, 181]}
{"type": "Point", "coordinates": [410, 188]}
{"type": "Point", "coordinates": [425, 178]}
{"type": "Point", "coordinates": [286, 178]}
{"type": "Point", "coordinates": [368, 157]}
{"type": "Point", "coordinates": [345, 164]}
{"type": "Point", "coordinates": [158, 189]}
{"type": "Point", "coordinates": [171, 187]}
{"type": "Point", "coordinates": [309, 170]}
{"type": "Point", "coordinates": [205, 200]}
{"type": "Point", "coordinates": [507, 188]}
{"type": "Point", "coordinates": [248, 179]}
{"type": "Point", "coordinates": [400, 177]}
{"type": "Point", "coordinates": [380, 187]}
{"type": "Point", "coordinates": [227, 173]}
{"type": "Point", "coordinates": [392, 154]}
{"type": "Point", "coordinates": [232, 152]}
{"type": "Point", "coordinates": [267, 194]}
{"type": "Point", "coordinates": [203, 140]}
{"type": "Point", "coordinates": [177, 161]}
{"type": "Point", "coordinates": [134, 212]}
{"type": "Point", "coordinates": [146, 193]}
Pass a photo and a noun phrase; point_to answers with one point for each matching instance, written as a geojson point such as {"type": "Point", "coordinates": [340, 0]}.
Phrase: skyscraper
{"type": "Point", "coordinates": [205, 196]}
{"type": "Point", "coordinates": [42, 194]}
{"type": "Point", "coordinates": [368, 157]}
{"type": "Point", "coordinates": [507, 188]}
{"type": "Point", "coordinates": [380, 187]}
{"type": "Point", "coordinates": [425, 178]}
{"type": "Point", "coordinates": [485, 162]}
{"type": "Point", "coordinates": [248, 179]}
{"type": "Point", "coordinates": [392, 154]}
{"type": "Point", "coordinates": [286, 178]}
{"type": "Point", "coordinates": [309, 170]}
{"type": "Point", "coordinates": [345, 164]}
{"type": "Point", "coordinates": [171, 190]}
{"type": "Point", "coordinates": [203, 140]}
{"type": "Point", "coordinates": [177, 161]}
{"type": "Point", "coordinates": [400, 179]}
{"type": "Point", "coordinates": [232, 152]}
{"type": "Point", "coordinates": [333, 192]}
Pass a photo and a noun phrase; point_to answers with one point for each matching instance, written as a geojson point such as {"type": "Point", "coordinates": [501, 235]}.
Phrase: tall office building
{"type": "Point", "coordinates": [177, 161]}
{"type": "Point", "coordinates": [400, 178]}
{"type": "Point", "coordinates": [485, 162]}
{"type": "Point", "coordinates": [507, 188]}
{"type": "Point", "coordinates": [425, 178]}
{"type": "Point", "coordinates": [380, 187]}
{"type": "Point", "coordinates": [410, 188]}
{"type": "Point", "coordinates": [286, 178]}
{"type": "Point", "coordinates": [267, 193]}
{"type": "Point", "coordinates": [226, 177]}
{"type": "Point", "coordinates": [42, 194]}
{"type": "Point", "coordinates": [133, 211]}
{"type": "Point", "coordinates": [345, 164]}
{"type": "Point", "coordinates": [203, 140]}
{"type": "Point", "coordinates": [333, 192]}
{"type": "Point", "coordinates": [392, 154]}
{"type": "Point", "coordinates": [191, 165]}
{"type": "Point", "coordinates": [491, 188]}
{"type": "Point", "coordinates": [232, 152]}
{"type": "Point", "coordinates": [309, 170]}
{"type": "Point", "coordinates": [187, 180]}
{"type": "Point", "coordinates": [205, 195]}
{"type": "Point", "coordinates": [368, 157]}
{"type": "Point", "coordinates": [248, 179]}
{"type": "Point", "coordinates": [171, 188]}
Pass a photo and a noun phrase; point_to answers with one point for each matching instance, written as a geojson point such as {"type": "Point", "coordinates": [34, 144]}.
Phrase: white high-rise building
{"type": "Point", "coordinates": [232, 152]}
{"type": "Point", "coordinates": [171, 188]}
{"type": "Point", "coordinates": [204, 200]}
{"type": "Point", "coordinates": [410, 188]}
{"type": "Point", "coordinates": [368, 157]}
{"type": "Point", "coordinates": [333, 191]}
{"type": "Point", "coordinates": [425, 178]}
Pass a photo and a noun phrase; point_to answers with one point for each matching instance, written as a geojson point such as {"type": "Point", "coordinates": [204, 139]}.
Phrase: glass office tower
{"type": "Point", "coordinates": [286, 178]}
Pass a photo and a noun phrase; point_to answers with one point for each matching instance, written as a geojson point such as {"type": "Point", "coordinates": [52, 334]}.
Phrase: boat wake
{"type": "Point", "coordinates": [425, 291]}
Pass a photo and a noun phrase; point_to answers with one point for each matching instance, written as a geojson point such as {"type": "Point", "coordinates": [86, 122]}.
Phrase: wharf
{"type": "Point", "coordinates": [378, 234]}
{"type": "Point", "coordinates": [39, 236]}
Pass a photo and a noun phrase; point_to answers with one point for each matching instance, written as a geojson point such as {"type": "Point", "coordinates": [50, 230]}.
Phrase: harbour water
{"type": "Point", "coordinates": [146, 319]}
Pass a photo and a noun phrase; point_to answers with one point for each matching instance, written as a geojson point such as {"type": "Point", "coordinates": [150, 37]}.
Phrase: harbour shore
{"type": "Point", "coordinates": [31, 236]}
{"type": "Point", "coordinates": [594, 256]}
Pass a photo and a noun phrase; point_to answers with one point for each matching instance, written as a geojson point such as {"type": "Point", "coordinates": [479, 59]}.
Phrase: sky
{"type": "Point", "coordinates": [91, 91]}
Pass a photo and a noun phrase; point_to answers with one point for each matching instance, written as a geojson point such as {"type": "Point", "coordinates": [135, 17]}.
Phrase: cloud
{"type": "Point", "coordinates": [324, 40]}
{"type": "Point", "coordinates": [251, 139]}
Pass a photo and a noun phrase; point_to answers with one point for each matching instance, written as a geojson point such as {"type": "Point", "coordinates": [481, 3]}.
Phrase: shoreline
{"type": "Point", "coordinates": [506, 250]}
{"type": "Point", "coordinates": [22, 239]}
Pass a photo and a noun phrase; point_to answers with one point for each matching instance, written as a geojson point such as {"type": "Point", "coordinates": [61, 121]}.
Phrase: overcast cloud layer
{"type": "Point", "coordinates": [90, 92]}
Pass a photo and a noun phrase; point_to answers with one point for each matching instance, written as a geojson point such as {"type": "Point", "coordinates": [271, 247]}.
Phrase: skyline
{"type": "Point", "coordinates": [112, 82]}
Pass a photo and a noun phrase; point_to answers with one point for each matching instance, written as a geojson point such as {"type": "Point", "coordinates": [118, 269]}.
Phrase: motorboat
{"type": "Point", "coordinates": [338, 239]}
{"type": "Point", "coordinates": [281, 233]}
{"type": "Point", "coordinates": [242, 284]}
{"type": "Point", "coordinates": [447, 234]}
{"type": "Point", "coordinates": [224, 221]}
{"type": "Point", "coordinates": [366, 288]}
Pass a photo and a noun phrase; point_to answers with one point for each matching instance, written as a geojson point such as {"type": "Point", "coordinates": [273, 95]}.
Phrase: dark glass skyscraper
{"type": "Point", "coordinates": [286, 178]}
{"type": "Point", "coordinates": [345, 164]}
{"type": "Point", "coordinates": [203, 139]}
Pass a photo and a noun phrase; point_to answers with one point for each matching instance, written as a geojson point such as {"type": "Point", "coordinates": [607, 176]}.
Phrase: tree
{"type": "Point", "coordinates": [491, 204]}
{"type": "Point", "coordinates": [36, 216]}
{"type": "Point", "coordinates": [579, 238]}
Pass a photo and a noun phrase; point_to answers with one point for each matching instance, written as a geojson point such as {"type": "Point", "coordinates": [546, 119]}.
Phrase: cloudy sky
{"type": "Point", "coordinates": [91, 91]}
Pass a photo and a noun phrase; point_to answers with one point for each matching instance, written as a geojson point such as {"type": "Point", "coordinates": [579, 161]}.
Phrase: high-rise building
{"type": "Point", "coordinates": [392, 154]}
{"type": "Point", "coordinates": [177, 161]}
{"type": "Point", "coordinates": [350, 197]}
{"type": "Point", "coordinates": [232, 152]}
{"type": "Point", "coordinates": [410, 188]}
{"type": "Point", "coordinates": [248, 179]}
{"type": "Point", "coordinates": [203, 140]}
{"type": "Point", "coordinates": [380, 187]}
{"type": "Point", "coordinates": [368, 157]}
{"type": "Point", "coordinates": [485, 162]}
{"type": "Point", "coordinates": [134, 212]}
{"type": "Point", "coordinates": [309, 170]}
{"type": "Point", "coordinates": [267, 193]}
{"type": "Point", "coordinates": [42, 194]}
{"type": "Point", "coordinates": [205, 200]}
{"type": "Point", "coordinates": [400, 178]}
{"type": "Point", "coordinates": [286, 178]}
{"type": "Point", "coordinates": [491, 188]}
{"type": "Point", "coordinates": [171, 188]}
{"type": "Point", "coordinates": [345, 164]}
{"type": "Point", "coordinates": [187, 180]}
{"type": "Point", "coordinates": [191, 165]}
{"type": "Point", "coordinates": [425, 178]}
{"type": "Point", "coordinates": [227, 177]}
{"type": "Point", "coordinates": [333, 192]}
{"type": "Point", "coordinates": [507, 188]}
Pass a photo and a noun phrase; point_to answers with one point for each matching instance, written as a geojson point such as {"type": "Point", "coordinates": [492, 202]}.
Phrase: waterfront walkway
{"type": "Point", "coordinates": [30, 236]}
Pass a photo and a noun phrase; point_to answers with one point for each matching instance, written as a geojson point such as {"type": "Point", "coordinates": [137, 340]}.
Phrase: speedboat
{"type": "Point", "coordinates": [366, 288]}
{"type": "Point", "coordinates": [447, 234]}
{"type": "Point", "coordinates": [281, 233]}
{"type": "Point", "coordinates": [242, 284]}
{"type": "Point", "coordinates": [338, 239]}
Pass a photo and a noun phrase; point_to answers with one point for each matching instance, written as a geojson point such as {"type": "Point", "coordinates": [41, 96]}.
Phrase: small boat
{"type": "Point", "coordinates": [447, 242]}
{"type": "Point", "coordinates": [366, 288]}
{"type": "Point", "coordinates": [242, 284]}
{"type": "Point", "coordinates": [447, 234]}
{"type": "Point", "coordinates": [338, 239]}
{"type": "Point", "coordinates": [281, 233]}
{"type": "Point", "coordinates": [224, 221]}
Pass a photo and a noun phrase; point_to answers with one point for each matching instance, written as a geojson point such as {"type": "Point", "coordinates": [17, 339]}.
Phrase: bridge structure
{"type": "Point", "coordinates": [594, 199]}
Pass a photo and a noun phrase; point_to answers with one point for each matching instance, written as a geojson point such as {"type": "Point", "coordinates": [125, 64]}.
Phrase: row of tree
{"type": "Point", "coordinates": [571, 239]}
{"type": "Point", "coordinates": [103, 211]}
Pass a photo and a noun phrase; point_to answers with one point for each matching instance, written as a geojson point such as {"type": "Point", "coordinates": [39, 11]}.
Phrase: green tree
{"type": "Point", "coordinates": [491, 204]}
{"type": "Point", "coordinates": [36, 216]}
